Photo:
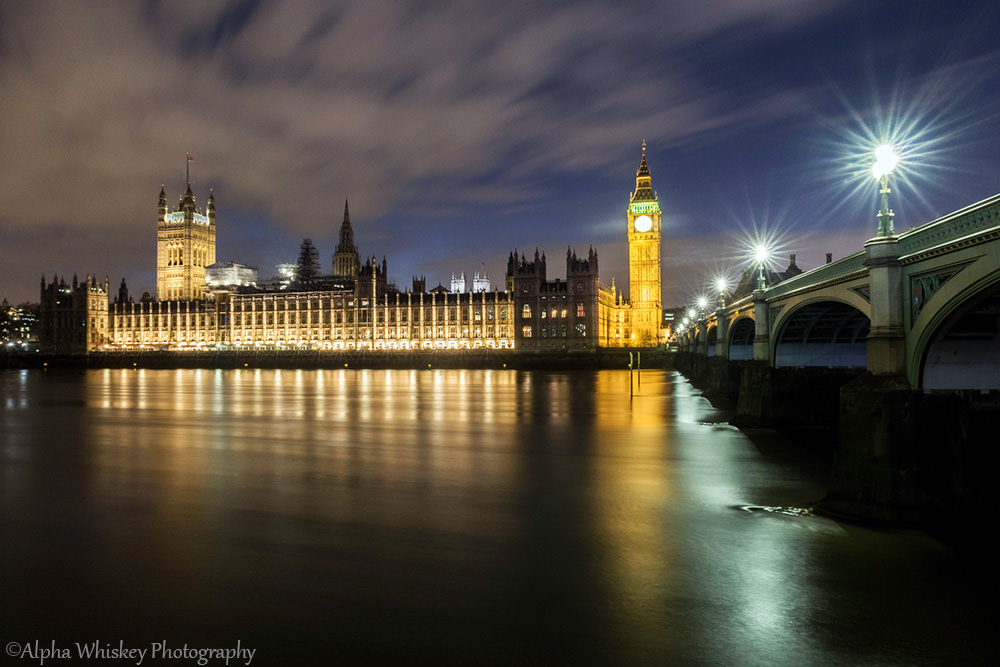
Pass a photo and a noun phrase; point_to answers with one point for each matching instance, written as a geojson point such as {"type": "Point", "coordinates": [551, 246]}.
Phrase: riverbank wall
{"type": "Point", "coordinates": [316, 359]}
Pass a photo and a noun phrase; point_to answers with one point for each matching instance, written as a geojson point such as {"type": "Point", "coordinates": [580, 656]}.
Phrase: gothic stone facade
{"type": "Point", "coordinates": [356, 307]}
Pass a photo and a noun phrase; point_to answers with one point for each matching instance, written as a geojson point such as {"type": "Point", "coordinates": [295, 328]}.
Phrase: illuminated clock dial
{"type": "Point", "coordinates": [643, 223]}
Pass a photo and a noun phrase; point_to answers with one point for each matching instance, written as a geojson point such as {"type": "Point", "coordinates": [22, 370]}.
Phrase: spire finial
{"type": "Point", "coordinates": [643, 149]}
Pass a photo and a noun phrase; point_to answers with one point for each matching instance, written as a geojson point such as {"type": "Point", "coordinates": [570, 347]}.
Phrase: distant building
{"type": "Point", "coordinates": [355, 308]}
{"type": "Point", "coordinates": [201, 303]}
{"type": "Point", "coordinates": [19, 325]}
{"type": "Point", "coordinates": [481, 282]}
{"type": "Point", "coordinates": [185, 246]}
{"type": "Point", "coordinates": [230, 274]}
{"type": "Point", "coordinates": [74, 317]}
{"type": "Point", "coordinates": [555, 315]}
{"type": "Point", "coordinates": [460, 284]}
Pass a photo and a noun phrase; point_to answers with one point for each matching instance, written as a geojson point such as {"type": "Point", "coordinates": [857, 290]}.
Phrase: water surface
{"type": "Point", "coordinates": [446, 517]}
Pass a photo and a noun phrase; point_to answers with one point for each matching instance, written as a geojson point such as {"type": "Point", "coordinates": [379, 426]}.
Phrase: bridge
{"type": "Point", "coordinates": [896, 346]}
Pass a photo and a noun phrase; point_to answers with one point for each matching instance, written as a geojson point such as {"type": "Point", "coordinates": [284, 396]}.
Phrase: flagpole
{"type": "Point", "coordinates": [187, 173]}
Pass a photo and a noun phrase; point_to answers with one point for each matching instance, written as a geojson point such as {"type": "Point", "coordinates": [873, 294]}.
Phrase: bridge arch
{"type": "Point", "coordinates": [741, 335]}
{"type": "Point", "coordinates": [958, 344]}
{"type": "Point", "coordinates": [711, 340]}
{"type": "Point", "coordinates": [825, 333]}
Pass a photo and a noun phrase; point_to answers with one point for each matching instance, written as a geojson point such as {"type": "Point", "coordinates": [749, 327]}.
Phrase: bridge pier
{"type": "Point", "coordinates": [905, 456]}
{"type": "Point", "coordinates": [887, 338]}
{"type": "Point", "coordinates": [721, 333]}
{"type": "Point", "coordinates": [755, 395]}
{"type": "Point", "coordinates": [874, 473]}
{"type": "Point", "coordinates": [722, 377]}
{"type": "Point", "coordinates": [801, 400]}
{"type": "Point", "coordinates": [762, 328]}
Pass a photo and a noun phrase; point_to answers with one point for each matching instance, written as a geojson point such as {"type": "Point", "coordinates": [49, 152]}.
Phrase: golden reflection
{"type": "Point", "coordinates": [633, 486]}
{"type": "Point", "coordinates": [203, 435]}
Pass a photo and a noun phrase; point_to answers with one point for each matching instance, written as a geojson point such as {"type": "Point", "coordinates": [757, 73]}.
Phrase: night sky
{"type": "Point", "coordinates": [461, 130]}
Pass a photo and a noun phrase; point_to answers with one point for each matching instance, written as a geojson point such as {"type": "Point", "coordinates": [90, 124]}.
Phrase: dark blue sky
{"type": "Point", "coordinates": [460, 130]}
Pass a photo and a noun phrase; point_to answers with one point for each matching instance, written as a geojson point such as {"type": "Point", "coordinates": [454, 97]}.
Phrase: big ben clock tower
{"type": "Point", "coordinates": [644, 258]}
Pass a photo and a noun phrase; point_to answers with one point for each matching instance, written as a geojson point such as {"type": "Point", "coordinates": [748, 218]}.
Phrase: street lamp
{"type": "Point", "coordinates": [761, 253]}
{"type": "Point", "coordinates": [720, 286]}
{"type": "Point", "coordinates": [702, 302]}
{"type": "Point", "coordinates": [885, 161]}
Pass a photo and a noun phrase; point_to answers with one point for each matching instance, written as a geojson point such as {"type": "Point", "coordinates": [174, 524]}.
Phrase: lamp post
{"type": "Point", "coordinates": [761, 253]}
{"type": "Point", "coordinates": [720, 286]}
{"type": "Point", "coordinates": [885, 161]}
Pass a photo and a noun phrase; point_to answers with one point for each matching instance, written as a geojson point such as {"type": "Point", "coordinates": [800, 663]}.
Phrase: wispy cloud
{"type": "Point", "coordinates": [427, 108]}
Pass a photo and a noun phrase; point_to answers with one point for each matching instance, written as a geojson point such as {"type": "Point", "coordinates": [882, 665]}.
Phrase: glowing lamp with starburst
{"type": "Point", "coordinates": [885, 162]}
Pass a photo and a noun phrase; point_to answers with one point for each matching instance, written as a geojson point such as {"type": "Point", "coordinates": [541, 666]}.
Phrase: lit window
{"type": "Point", "coordinates": [526, 332]}
{"type": "Point", "coordinates": [525, 312]}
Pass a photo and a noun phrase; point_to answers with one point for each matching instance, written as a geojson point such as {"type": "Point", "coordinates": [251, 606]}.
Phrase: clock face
{"type": "Point", "coordinates": [643, 223]}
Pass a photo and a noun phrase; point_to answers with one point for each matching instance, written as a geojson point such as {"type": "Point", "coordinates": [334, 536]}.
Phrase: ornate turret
{"type": "Point", "coordinates": [185, 245]}
{"type": "Point", "coordinates": [187, 202]}
{"type": "Point", "coordinates": [643, 181]}
{"type": "Point", "coordinates": [345, 258]}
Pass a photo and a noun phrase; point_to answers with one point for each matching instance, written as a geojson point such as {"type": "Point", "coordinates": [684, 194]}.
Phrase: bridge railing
{"type": "Point", "coordinates": [822, 275]}
{"type": "Point", "coordinates": [969, 221]}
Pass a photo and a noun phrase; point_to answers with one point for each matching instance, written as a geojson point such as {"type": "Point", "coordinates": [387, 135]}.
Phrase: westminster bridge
{"type": "Point", "coordinates": [895, 349]}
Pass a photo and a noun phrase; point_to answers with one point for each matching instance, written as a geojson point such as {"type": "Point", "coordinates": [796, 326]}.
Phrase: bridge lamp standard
{"type": "Point", "coordinates": [720, 286]}
{"type": "Point", "coordinates": [702, 303]}
{"type": "Point", "coordinates": [760, 255]}
{"type": "Point", "coordinates": [885, 161]}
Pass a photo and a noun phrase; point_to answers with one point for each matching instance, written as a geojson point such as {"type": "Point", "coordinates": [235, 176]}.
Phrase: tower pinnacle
{"type": "Point", "coordinates": [643, 181]}
{"type": "Point", "coordinates": [345, 258]}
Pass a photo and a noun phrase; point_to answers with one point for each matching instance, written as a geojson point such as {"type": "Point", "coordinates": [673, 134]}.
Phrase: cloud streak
{"type": "Point", "coordinates": [426, 114]}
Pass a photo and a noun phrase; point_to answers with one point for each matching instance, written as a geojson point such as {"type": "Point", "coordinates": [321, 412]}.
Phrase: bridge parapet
{"type": "Point", "coordinates": [969, 222]}
{"type": "Point", "coordinates": [844, 269]}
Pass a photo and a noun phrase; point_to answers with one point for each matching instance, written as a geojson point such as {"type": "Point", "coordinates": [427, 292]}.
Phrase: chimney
{"type": "Point", "coordinates": [792, 260]}
{"type": "Point", "coordinates": [829, 257]}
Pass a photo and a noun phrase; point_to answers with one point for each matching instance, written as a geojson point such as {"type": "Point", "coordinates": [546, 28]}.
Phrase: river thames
{"type": "Point", "coordinates": [447, 517]}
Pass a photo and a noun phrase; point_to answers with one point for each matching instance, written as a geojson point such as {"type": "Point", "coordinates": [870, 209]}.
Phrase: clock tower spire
{"type": "Point", "coordinates": [643, 220]}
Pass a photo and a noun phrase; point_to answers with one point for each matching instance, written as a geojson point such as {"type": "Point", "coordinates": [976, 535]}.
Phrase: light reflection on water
{"type": "Point", "coordinates": [444, 516]}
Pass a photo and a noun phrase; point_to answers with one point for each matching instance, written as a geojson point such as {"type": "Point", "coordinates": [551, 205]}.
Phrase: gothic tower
{"type": "Point", "coordinates": [644, 258]}
{"type": "Point", "coordinates": [185, 245]}
{"type": "Point", "coordinates": [345, 258]}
